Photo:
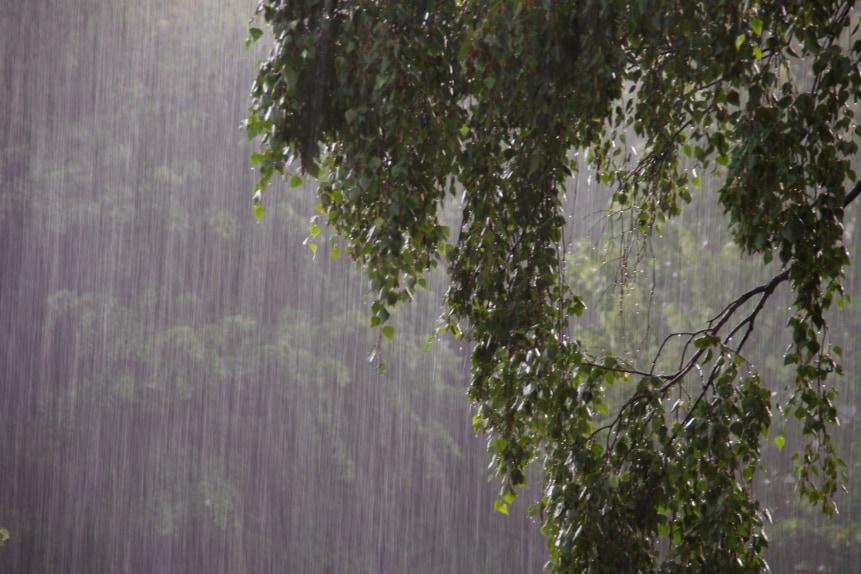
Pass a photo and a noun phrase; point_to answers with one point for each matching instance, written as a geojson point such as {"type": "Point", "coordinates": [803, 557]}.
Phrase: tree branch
{"type": "Point", "coordinates": [852, 194]}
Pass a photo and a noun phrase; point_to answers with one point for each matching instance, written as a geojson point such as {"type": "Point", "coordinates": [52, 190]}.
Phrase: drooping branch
{"type": "Point", "coordinates": [715, 324]}
{"type": "Point", "coordinates": [853, 194]}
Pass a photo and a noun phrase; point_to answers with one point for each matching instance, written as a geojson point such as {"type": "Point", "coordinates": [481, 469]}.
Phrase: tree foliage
{"type": "Point", "coordinates": [397, 107]}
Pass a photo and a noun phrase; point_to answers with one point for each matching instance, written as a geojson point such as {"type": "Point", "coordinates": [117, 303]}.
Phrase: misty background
{"type": "Point", "coordinates": [183, 389]}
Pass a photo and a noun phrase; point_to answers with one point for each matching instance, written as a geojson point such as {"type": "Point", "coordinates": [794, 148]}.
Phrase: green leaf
{"type": "Point", "coordinates": [336, 253]}
{"type": "Point", "coordinates": [254, 35]}
{"type": "Point", "coordinates": [706, 341]}
{"type": "Point", "coordinates": [501, 507]}
{"type": "Point", "coordinates": [389, 332]}
{"type": "Point", "coordinates": [259, 212]}
{"type": "Point", "coordinates": [295, 181]}
{"type": "Point", "coordinates": [256, 158]}
{"type": "Point", "coordinates": [779, 441]}
{"type": "Point", "coordinates": [314, 230]}
{"type": "Point", "coordinates": [383, 314]}
{"type": "Point", "coordinates": [756, 26]}
{"type": "Point", "coordinates": [739, 40]}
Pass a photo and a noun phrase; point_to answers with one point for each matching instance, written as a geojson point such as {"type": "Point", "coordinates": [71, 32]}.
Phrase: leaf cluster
{"type": "Point", "coordinates": [396, 106]}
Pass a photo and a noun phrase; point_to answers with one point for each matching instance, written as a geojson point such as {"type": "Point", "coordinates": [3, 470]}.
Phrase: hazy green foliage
{"type": "Point", "coordinates": [396, 106]}
{"type": "Point", "coordinates": [177, 393]}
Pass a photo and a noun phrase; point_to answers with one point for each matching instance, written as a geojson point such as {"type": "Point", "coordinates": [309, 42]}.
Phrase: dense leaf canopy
{"type": "Point", "coordinates": [397, 106]}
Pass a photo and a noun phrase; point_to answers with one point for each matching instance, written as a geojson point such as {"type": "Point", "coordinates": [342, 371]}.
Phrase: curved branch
{"type": "Point", "coordinates": [852, 194]}
{"type": "Point", "coordinates": [715, 324]}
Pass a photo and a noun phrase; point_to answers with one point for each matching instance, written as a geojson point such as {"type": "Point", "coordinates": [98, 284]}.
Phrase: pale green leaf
{"type": "Point", "coordinates": [756, 26]}
{"type": "Point", "coordinates": [501, 507]}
